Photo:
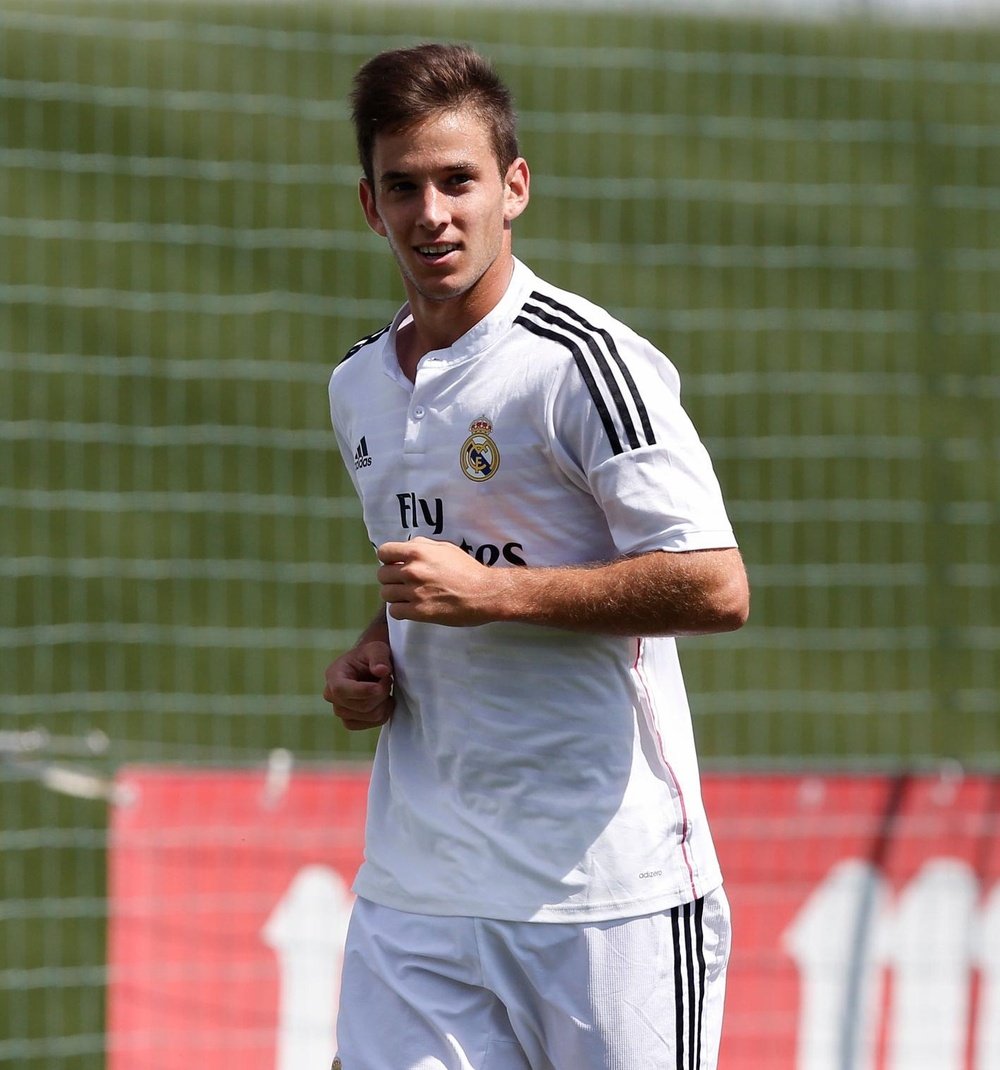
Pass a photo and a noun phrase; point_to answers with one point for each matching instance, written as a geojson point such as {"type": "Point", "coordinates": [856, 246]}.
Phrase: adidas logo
{"type": "Point", "coordinates": [362, 459]}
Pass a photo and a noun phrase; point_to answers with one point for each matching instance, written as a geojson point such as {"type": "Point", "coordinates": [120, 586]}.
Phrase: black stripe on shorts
{"type": "Point", "coordinates": [686, 924]}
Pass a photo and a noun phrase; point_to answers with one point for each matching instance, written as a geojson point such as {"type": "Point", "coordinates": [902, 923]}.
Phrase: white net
{"type": "Point", "coordinates": [801, 215]}
{"type": "Point", "coordinates": [798, 216]}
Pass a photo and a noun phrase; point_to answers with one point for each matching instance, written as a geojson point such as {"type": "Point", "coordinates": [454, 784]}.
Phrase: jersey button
{"type": "Point", "coordinates": [419, 412]}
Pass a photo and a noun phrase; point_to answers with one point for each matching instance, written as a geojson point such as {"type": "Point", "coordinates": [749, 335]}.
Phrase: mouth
{"type": "Point", "coordinates": [437, 251]}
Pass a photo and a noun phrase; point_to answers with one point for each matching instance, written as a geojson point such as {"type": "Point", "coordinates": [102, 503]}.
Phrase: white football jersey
{"type": "Point", "coordinates": [531, 773]}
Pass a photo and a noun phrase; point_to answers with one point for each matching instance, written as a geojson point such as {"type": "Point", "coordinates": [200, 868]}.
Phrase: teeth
{"type": "Point", "coordinates": [435, 250]}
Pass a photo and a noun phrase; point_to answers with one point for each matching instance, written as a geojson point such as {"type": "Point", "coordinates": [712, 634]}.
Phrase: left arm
{"type": "Point", "coordinates": [696, 592]}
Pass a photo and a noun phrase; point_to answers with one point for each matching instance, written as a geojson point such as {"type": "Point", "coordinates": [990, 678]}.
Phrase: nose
{"type": "Point", "coordinates": [434, 212]}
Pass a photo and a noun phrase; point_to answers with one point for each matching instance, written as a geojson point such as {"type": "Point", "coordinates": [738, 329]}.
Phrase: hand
{"type": "Point", "coordinates": [359, 685]}
{"type": "Point", "coordinates": [439, 583]}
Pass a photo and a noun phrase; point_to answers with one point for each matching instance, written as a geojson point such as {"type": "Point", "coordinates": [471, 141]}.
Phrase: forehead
{"type": "Point", "coordinates": [442, 140]}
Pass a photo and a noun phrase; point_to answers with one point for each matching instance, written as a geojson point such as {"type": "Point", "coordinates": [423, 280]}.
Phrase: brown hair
{"type": "Point", "coordinates": [400, 88]}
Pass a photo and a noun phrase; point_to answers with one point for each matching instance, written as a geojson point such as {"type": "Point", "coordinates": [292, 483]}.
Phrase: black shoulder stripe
{"type": "Point", "coordinates": [602, 366]}
{"type": "Point", "coordinates": [588, 376]}
{"type": "Point", "coordinates": [647, 427]}
{"type": "Point", "coordinates": [364, 342]}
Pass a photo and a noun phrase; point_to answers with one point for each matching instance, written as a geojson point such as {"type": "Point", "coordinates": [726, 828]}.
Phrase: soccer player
{"type": "Point", "coordinates": [540, 890]}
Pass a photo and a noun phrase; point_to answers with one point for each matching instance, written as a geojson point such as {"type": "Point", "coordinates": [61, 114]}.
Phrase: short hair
{"type": "Point", "coordinates": [402, 87]}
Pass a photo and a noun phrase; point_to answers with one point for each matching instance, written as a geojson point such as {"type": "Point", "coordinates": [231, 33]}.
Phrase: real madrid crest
{"type": "Point", "coordinates": [480, 457]}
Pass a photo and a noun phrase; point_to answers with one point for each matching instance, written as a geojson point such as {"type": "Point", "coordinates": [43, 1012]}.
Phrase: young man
{"type": "Point", "coordinates": [540, 890]}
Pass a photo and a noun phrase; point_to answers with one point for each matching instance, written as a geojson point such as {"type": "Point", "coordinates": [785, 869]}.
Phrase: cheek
{"type": "Point", "coordinates": [492, 220]}
{"type": "Point", "coordinates": [389, 222]}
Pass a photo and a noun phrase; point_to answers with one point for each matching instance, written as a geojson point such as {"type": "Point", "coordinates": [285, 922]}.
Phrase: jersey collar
{"type": "Point", "coordinates": [477, 339]}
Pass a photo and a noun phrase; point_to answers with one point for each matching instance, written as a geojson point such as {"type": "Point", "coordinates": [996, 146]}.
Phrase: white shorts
{"type": "Point", "coordinates": [452, 993]}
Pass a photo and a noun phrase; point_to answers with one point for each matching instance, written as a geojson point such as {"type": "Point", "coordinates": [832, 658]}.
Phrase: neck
{"type": "Point", "coordinates": [438, 324]}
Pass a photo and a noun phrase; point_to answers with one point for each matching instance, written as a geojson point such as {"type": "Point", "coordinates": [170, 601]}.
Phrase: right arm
{"type": "Point", "coordinates": [359, 682]}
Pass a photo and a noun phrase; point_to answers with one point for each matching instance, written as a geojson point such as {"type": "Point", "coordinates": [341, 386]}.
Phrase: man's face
{"type": "Point", "coordinates": [443, 205]}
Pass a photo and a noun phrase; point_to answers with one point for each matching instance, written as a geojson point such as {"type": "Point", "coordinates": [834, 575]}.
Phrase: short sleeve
{"type": "Point", "coordinates": [618, 426]}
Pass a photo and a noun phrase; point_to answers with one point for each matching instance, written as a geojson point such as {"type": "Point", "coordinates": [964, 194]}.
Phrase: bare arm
{"type": "Point", "coordinates": [359, 682]}
{"type": "Point", "coordinates": [659, 593]}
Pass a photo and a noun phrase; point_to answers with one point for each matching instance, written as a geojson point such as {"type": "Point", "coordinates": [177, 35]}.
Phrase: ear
{"type": "Point", "coordinates": [368, 206]}
{"type": "Point", "coordinates": [516, 183]}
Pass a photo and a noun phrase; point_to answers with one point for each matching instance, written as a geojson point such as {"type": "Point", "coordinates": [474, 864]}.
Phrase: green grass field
{"type": "Point", "coordinates": [802, 216]}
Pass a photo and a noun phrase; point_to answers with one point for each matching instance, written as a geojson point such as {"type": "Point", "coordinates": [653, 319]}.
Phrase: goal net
{"type": "Point", "coordinates": [802, 215]}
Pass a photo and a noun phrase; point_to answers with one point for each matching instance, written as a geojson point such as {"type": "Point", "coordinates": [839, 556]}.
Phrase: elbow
{"type": "Point", "coordinates": [734, 617]}
{"type": "Point", "coordinates": [731, 606]}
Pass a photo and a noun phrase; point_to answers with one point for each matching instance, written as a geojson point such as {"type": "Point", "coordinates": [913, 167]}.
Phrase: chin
{"type": "Point", "coordinates": [443, 291]}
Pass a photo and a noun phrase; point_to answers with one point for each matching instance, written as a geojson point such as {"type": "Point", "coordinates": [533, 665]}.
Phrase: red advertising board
{"type": "Point", "coordinates": [866, 914]}
{"type": "Point", "coordinates": [229, 900]}
{"type": "Point", "coordinates": [866, 920]}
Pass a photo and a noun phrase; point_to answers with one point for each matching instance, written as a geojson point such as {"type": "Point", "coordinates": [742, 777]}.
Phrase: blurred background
{"type": "Point", "coordinates": [800, 206]}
